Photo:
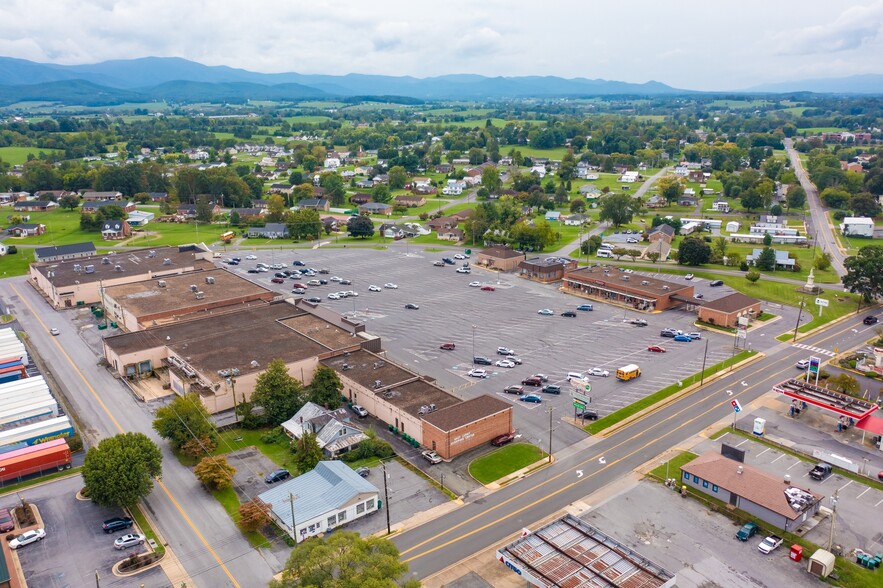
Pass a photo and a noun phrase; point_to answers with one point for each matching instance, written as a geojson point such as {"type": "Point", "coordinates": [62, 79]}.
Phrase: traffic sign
{"type": "Point", "coordinates": [469, 252]}
{"type": "Point", "coordinates": [578, 405]}
{"type": "Point", "coordinates": [821, 302]}
{"type": "Point", "coordinates": [736, 406]}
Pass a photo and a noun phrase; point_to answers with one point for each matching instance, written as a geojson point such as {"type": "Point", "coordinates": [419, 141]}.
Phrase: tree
{"type": "Point", "coordinates": [278, 393]}
{"type": "Point", "coordinates": [653, 256]}
{"type": "Point", "coordinates": [304, 223]}
{"type": "Point", "coordinates": [185, 418]}
{"type": "Point", "coordinates": [752, 275]}
{"type": "Point", "coordinates": [719, 249]}
{"type": "Point", "coordinates": [694, 251]}
{"type": "Point", "coordinates": [751, 199]}
{"type": "Point", "coordinates": [343, 560]}
{"type": "Point", "coordinates": [767, 239]}
{"type": "Point", "coordinates": [381, 194]}
{"type": "Point", "coordinates": [325, 388]}
{"type": "Point", "coordinates": [864, 204]}
{"type": "Point", "coordinates": [360, 226]}
{"type": "Point", "coordinates": [864, 272]}
{"type": "Point", "coordinates": [275, 208]}
{"type": "Point", "coordinates": [822, 261]}
{"type": "Point", "coordinates": [398, 177]}
{"type": "Point", "coordinates": [119, 471]}
{"type": "Point", "coordinates": [776, 210]}
{"type": "Point", "coordinates": [307, 452]}
{"type": "Point", "coordinates": [834, 197]}
{"type": "Point", "coordinates": [766, 261]}
{"type": "Point", "coordinates": [253, 515]}
{"type": "Point", "coordinates": [577, 206]}
{"type": "Point", "coordinates": [844, 383]}
{"type": "Point", "coordinates": [235, 219]}
{"type": "Point", "coordinates": [334, 189]}
{"type": "Point", "coordinates": [670, 187]}
{"type": "Point", "coordinates": [199, 446]}
{"type": "Point", "coordinates": [633, 253]}
{"type": "Point", "coordinates": [203, 210]}
{"type": "Point", "coordinates": [69, 202]}
{"type": "Point", "coordinates": [796, 197]}
{"type": "Point", "coordinates": [214, 472]}
{"type": "Point", "coordinates": [619, 209]}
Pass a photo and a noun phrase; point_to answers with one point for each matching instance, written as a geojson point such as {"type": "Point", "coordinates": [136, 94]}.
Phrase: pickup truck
{"type": "Point", "coordinates": [769, 544]}
{"type": "Point", "coordinates": [747, 531]}
{"type": "Point", "coordinates": [820, 472]}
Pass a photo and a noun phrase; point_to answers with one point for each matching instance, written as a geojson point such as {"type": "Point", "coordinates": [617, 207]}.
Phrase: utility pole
{"type": "Point", "coordinates": [704, 357]}
{"type": "Point", "coordinates": [386, 499]}
{"type": "Point", "coordinates": [800, 314]}
{"type": "Point", "coordinates": [833, 517]}
{"type": "Point", "coordinates": [291, 498]}
{"type": "Point", "coordinates": [550, 433]}
{"type": "Point", "coordinates": [443, 482]}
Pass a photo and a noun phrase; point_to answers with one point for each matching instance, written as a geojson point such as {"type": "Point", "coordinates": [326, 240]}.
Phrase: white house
{"type": "Point", "coordinates": [452, 190]}
{"type": "Point", "coordinates": [857, 226]}
{"type": "Point", "coordinates": [720, 206]}
{"type": "Point", "coordinates": [576, 219]}
{"type": "Point", "coordinates": [733, 226]}
{"type": "Point", "coordinates": [682, 171]}
{"type": "Point", "coordinates": [329, 496]}
{"type": "Point", "coordinates": [332, 163]}
{"type": "Point", "coordinates": [629, 177]}
{"type": "Point", "coordinates": [332, 428]}
{"type": "Point", "coordinates": [539, 170]}
{"type": "Point", "coordinates": [553, 215]}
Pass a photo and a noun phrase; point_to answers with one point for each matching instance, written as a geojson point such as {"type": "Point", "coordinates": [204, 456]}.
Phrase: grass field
{"type": "Point", "coordinates": [738, 104]}
{"type": "Point", "coordinates": [19, 155]}
{"type": "Point", "coordinates": [531, 152]}
{"type": "Point", "coordinates": [504, 461]}
{"type": "Point", "coordinates": [303, 118]}
{"type": "Point", "coordinates": [817, 130]}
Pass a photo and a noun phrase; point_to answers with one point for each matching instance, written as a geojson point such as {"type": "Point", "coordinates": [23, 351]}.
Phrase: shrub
{"type": "Point", "coordinates": [277, 435]}
{"type": "Point", "coordinates": [12, 250]}
{"type": "Point", "coordinates": [839, 214]}
{"type": "Point", "coordinates": [743, 266]}
{"type": "Point", "coordinates": [75, 442]}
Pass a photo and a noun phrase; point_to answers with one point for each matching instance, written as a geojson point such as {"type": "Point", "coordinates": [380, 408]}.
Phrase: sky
{"type": "Point", "coordinates": [696, 45]}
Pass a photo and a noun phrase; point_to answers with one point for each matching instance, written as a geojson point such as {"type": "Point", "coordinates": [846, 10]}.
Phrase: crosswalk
{"type": "Point", "coordinates": [817, 350]}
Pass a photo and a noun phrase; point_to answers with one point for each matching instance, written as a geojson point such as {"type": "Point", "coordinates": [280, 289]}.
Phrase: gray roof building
{"type": "Point", "coordinates": [62, 252]}
{"type": "Point", "coordinates": [332, 428]}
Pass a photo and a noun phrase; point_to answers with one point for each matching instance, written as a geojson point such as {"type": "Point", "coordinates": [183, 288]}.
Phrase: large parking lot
{"type": "Point", "coordinates": [452, 311]}
{"type": "Point", "coordinates": [75, 547]}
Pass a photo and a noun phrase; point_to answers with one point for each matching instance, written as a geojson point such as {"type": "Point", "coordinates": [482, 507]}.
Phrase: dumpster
{"type": "Point", "coordinates": [796, 552]}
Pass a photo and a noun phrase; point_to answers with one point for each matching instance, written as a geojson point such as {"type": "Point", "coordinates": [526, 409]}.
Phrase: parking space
{"type": "Point", "coordinates": [669, 530]}
{"type": "Point", "coordinates": [75, 546]}
{"type": "Point", "coordinates": [479, 321]}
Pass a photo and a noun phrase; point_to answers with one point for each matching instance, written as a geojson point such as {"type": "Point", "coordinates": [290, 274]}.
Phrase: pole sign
{"type": "Point", "coordinates": [578, 405]}
{"type": "Point", "coordinates": [814, 363]}
{"type": "Point", "coordinates": [821, 302]}
{"type": "Point", "coordinates": [736, 406]}
{"type": "Point", "coordinates": [579, 397]}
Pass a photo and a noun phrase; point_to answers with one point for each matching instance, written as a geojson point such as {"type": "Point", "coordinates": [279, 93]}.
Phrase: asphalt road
{"type": "Point", "coordinates": [211, 549]}
{"type": "Point", "coordinates": [818, 226]}
{"type": "Point", "coordinates": [590, 465]}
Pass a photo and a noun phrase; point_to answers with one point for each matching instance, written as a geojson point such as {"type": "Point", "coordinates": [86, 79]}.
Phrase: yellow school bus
{"type": "Point", "coordinates": [628, 372]}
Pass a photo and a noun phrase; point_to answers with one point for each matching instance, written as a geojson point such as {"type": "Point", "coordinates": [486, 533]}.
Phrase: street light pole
{"type": "Point", "coordinates": [551, 408]}
{"type": "Point", "coordinates": [386, 499]}
{"type": "Point", "coordinates": [702, 380]}
{"type": "Point", "coordinates": [473, 345]}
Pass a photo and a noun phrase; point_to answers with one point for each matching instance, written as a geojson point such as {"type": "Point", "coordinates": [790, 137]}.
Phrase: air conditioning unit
{"type": "Point", "coordinates": [151, 254]}
{"type": "Point", "coordinates": [90, 269]}
{"type": "Point", "coordinates": [167, 261]}
{"type": "Point", "coordinates": [161, 283]}
{"type": "Point", "coordinates": [105, 261]}
{"type": "Point", "coordinates": [117, 268]}
{"type": "Point", "coordinates": [77, 268]}
{"type": "Point", "coordinates": [200, 295]}
{"type": "Point", "coordinates": [210, 280]}
{"type": "Point", "coordinates": [193, 288]}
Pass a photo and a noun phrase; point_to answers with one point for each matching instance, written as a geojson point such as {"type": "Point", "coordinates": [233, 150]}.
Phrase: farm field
{"type": "Point", "coordinates": [19, 155]}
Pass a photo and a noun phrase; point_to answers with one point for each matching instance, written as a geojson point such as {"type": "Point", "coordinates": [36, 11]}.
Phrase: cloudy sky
{"type": "Point", "coordinates": [701, 45]}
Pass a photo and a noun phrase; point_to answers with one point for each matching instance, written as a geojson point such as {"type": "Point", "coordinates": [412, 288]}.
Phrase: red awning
{"type": "Point", "coordinates": [871, 424]}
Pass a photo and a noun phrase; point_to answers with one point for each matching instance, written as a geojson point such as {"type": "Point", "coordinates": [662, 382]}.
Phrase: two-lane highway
{"type": "Point", "coordinates": [501, 515]}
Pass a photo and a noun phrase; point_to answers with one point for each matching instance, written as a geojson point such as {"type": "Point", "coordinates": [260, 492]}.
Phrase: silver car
{"type": "Point", "coordinates": [130, 540]}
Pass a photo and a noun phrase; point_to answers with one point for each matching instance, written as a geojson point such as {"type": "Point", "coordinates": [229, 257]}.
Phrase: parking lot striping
{"type": "Point", "coordinates": [863, 492]}
{"type": "Point", "coordinates": [764, 451]}
{"type": "Point", "coordinates": [121, 430]}
{"type": "Point", "coordinates": [778, 458]}
{"type": "Point", "coordinates": [878, 503]}
{"type": "Point", "coordinates": [772, 378]}
{"type": "Point", "coordinates": [844, 486]}
{"type": "Point", "coordinates": [743, 442]}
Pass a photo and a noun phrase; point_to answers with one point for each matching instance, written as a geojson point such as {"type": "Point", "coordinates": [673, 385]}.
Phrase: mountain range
{"type": "Point", "coordinates": [179, 80]}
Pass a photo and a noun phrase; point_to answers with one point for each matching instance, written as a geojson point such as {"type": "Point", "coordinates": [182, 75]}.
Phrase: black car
{"type": "Point", "coordinates": [870, 320]}
{"type": "Point", "coordinates": [236, 259]}
{"type": "Point", "coordinates": [254, 271]}
{"type": "Point", "coordinates": [551, 389]}
{"type": "Point", "coordinates": [298, 263]}
{"type": "Point", "coordinates": [346, 282]}
{"type": "Point", "coordinates": [589, 415]}
{"type": "Point", "coordinates": [569, 313]}
{"type": "Point", "coordinates": [116, 524]}
{"type": "Point", "coordinates": [411, 306]}
{"type": "Point", "coordinates": [314, 300]}
{"type": "Point", "coordinates": [448, 260]}
{"type": "Point", "coordinates": [276, 476]}
{"type": "Point", "coordinates": [715, 283]}
{"type": "Point", "coordinates": [479, 360]}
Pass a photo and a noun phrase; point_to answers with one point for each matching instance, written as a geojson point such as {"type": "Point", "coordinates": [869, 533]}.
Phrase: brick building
{"type": "Point", "coordinates": [459, 428]}
{"type": "Point", "coordinates": [545, 270]}
{"type": "Point", "coordinates": [501, 258]}
{"type": "Point", "coordinates": [726, 311]}
{"type": "Point", "coordinates": [615, 286]}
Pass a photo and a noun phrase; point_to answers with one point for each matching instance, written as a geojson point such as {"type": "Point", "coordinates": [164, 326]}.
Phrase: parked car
{"type": "Point", "coordinates": [532, 381]}
{"type": "Point", "coordinates": [448, 260]}
{"type": "Point", "coordinates": [278, 280]}
{"type": "Point", "coordinates": [505, 351]}
{"type": "Point", "coordinates": [314, 299]}
{"type": "Point", "coordinates": [546, 311]}
{"type": "Point", "coordinates": [478, 373]}
{"type": "Point", "coordinates": [639, 322]}
{"type": "Point", "coordinates": [459, 256]}
{"type": "Point", "coordinates": [695, 336]}
{"type": "Point", "coordinates": [515, 360]}
{"type": "Point", "coordinates": [503, 439]}
{"type": "Point", "coordinates": [250, 257]}
{"type": "Point", "coordinates": [716, 283]}
{"type": "Point", "coordinates": [254, 270]}
{"type": "Point", "coordinates": [601, 373]}
{"type": "Point", "coordinates": [590, 415]}
{"type": "Point", "coordinates": [683, 338]}
{"type": "Point", "coordinates": [280, 275]}
{"type": "Point", "coordinates": [116, 524]}
{"type": "Point", "coordinates": [6, 522]}
{"type": "Point", "coordinates": [505, 363]}
{"type": "Point", "coordinates": [551, 389]}
{"type": "Point", "coordinates": [130, 540]}
{"type": "Point", "coordinates": [346, 282]}
{"type": "Point", "coordinates": [667, 334]}
{"type": "Point", "coordinates": [487, 288]}
{"type": "Point", "coordinates": [870, 320]}
{"type": "Point", "coordinates": [530, 398]}
{"type": "Point", "coordinates": [656, 349]}
{"type": "Point", "coordinates": [438, 263]}
{"type": "Point", "coordinates": [321, 271]}
{"type": "Point", "coordinates": [390, 286]}
{"type": "Point", "coordinates": [447, 346]}
{"type": "Point", "coordinates": [359, 410]}
{"type": "Point", "coordinates": [27, 538]}
{"type": "Point", "coordinates": [363, 471]}
{"type": "Point", "coordinates": [802, 364]}
{"type": "Point", "coordinates": [747, 531]}
{"type": "Point", "coordinates": [514, 389]}
{"type": "Point", "coordinates": [373, 288]}
{"type": "Point", "coordinates": [411, 306]}
{"type": "Point", "coordinates": [541, 377]}
{"type": "Point", "coordinates": [464, 270]}
{"type": "Point", "coordinates": [298, 262]}
{"type": "Point", "coordinates": [688, 277]}
{"type": "Point", "coordinates": [481, 360]}
{"type": "Point", "coordinates": [475, 284]}
{"type": "Point", "coordinates": [432, 457]}
{"type": "Point", "coordinates": [277, 476]}
{"type": "Point", "coordinates": [569, 313]}
{"type": "Point", "coordinates": [315, 283]}
{"type": "Point", "coordinates": [585, 307]}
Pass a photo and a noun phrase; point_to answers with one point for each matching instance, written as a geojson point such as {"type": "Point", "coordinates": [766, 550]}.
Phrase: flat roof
{"type": "Point", "coordinates": [613, 277]}
{"type": "Point", "coordinates": [732, 303]}
{"type": "Point", "coordinates": [571, 552]}
{"type": "Point", "coordinates": [148, 297]}
{"type": "Point", "coordinates": [464, 413]}
{"type": "Point", "coordinates": [134, 262]}
{"type": "Point", "coordinates": [230, 340]}
{"type": "Point", "coordinates": [398, 386]}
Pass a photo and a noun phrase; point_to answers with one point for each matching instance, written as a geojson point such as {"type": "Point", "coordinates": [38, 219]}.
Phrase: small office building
{"type": "Point", "coordinates": [612, 285]}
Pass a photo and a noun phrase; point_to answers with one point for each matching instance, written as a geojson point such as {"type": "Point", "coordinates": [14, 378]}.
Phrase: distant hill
{"type": "Point", "coordinates": [79, 92]}
{"type": "Point", "coordinates": [178, 79]}
{"type": "Point", "coordinates": [860, 84]}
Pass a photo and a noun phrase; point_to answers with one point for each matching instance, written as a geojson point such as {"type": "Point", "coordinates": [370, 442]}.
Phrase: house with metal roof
{"type": "Point", "coordinates": [329, 496]}
{"type": "Point", "coordinates": [63, 252]}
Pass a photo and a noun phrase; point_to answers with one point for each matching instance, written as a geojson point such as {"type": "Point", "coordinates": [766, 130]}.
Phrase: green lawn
{"type": "Point", "coordinates": [19, 155]}
{"type": "Point", "coordinates": [557, 153]}
{"type": "Point", "coordinates": [17, 263]}
{"type": "Point", "coordinates": [818, 130]}
{"type": "Point", "coordinates": [504, 461]}
{"type": "Point", "coordinates": [673, 465]}
{"type": "Point", "coordinates": [230, 501]}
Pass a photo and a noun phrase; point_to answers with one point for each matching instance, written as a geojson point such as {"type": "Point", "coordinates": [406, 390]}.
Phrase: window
{"type": "Point", "coordinates": [332, 520]}
{"type": "Point", "coordinates": [705, 483]}
{"type": "Point", "coordinates": [341, 516]}
{"type": "Point", "coordinates": [714, 487]}
{"type": "Point", "coordinates": [370, 504]}
{"type": "Point", "coordinates": [686, 476]}
{"type": "Point", "coordinates": [360, 508]}
{"type": "Point", "coordinates": [312, 528]}
{"type": "Point", "coordinates": [695, 479]}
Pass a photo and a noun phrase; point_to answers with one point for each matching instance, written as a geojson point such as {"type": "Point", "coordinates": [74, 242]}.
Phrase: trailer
{"type": "Point", "coordinates": [36, 433]}
{"type": "Point", "coordinates": [44, 408]}
{"type": "Point", "coordinates": [24, 388]}
{"type": "Point", "coordinates": [53, 455]}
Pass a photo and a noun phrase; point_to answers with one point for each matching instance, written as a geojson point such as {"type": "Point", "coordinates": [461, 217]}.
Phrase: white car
{"type": "Point", "coordinates": [546, 311]}
{"type": "Point", "coordinates": [478, 373]}
{"type": "Point", "coordinates": [391, 286]}
{"type": "Point", "coordinates": [464, 270]}
{"type": "Point", "coordinates": [598, 372]}
{"type": "Point", "coordinates": [459, 256]}
{"type": "Point", "coordinates": [631, 240]}
{"type": "Point", "coordinates": [334, 296]}
{"type": "Point", "coordinates": [54, 331]}
{"type": "Point", "coordinates": [351, 293]}
{"type": "Point", "coordinates": [27, 538]}
{"type": "Point", "coordinates": [129, 540]}
{"type": "Point", "coordinates": [335, 278]}
{"type": "Point", "coordinates": [688, 277]}
{"type": "Point", "coordinates": [251, 257]}
{"type": "Point", "coordinates": [263, 269]}
{"type": "Point", "coordinates": [475, 284]}
{"type": "Point", "coordinates": [505, 363]}
{"type": "Point", "coordinates": [373, 288]}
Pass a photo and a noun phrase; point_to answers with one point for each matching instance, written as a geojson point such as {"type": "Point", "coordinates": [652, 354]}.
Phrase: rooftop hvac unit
{"type": "Point", "coordinates": [210, 280]}
{"type": "Point", "coordinates": [235, 371]}
{"type": "Point", "coordinates": [644, 282]}
{"type": "Point", "coordinates": [626, 278]}
{"type": "Point", "coordinates": [161, 283]}
{"type": "Point", "coordinates": [200, 295]}
{"type": "Point", "coordinates": [666, 288]}
{"type": "Point", "coordinates": [105, 261]}
{"type": "Point", "coordinates": [90, 269]}
{"type": "Point", "coordinates": [346, 367]}
{"type": "Point", "coordinates": [117, 268]}
{"type": "Point", "coordinates": [254, 363]}
{"type": "Point", "coordinates": [167, 261]}
{"type": "Point", "coordinates": [193, 288]}
{"type": "Point", "coordinates": [77, 268]}
{"type": "Point", "coordinates": [151, 254]}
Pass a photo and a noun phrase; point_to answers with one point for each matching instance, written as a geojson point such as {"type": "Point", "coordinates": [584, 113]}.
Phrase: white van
{"type": "Point", "coordinates": [607, 246]}
{"type": "Point", "coordinates": [575, 376]}
{"type": "Point", "coordinates": [604, 253]}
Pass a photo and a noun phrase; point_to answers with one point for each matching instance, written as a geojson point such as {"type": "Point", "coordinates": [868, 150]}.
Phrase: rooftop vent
{"type": "Point", "coordinates": [644, 282]}
{"type": "Point", "coordinates": [210, 280]}
{"type": "Point", "coordinates": [167, 261]}
{"type": "Point", "coordinates": [90, 269]}
{"type": "Point", "coordinates": [117, 268]}
{"type": "Point", "coordinates": [254, 363]}
{"type": "Point", "coordinates": [346, 367]}
{"type": "Point", "coordinates": [77, 268]}
{"type": "Point", "coordinates": [151, 254]}
{"type": "Point", "coordinates": [161, 283]}
{"type": "Point", "coordinates": [193, 287]}
{"type": "Point", "coordinates": [105, 261]}
{"type": "Point", "coordinates": [626, 278]}
{"type": "Point", "coordinates": [739, 470]}
{"type": "Point", "coordinates": [378, 384]}
{"type": "Point", "coordinates": [666, 288]}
